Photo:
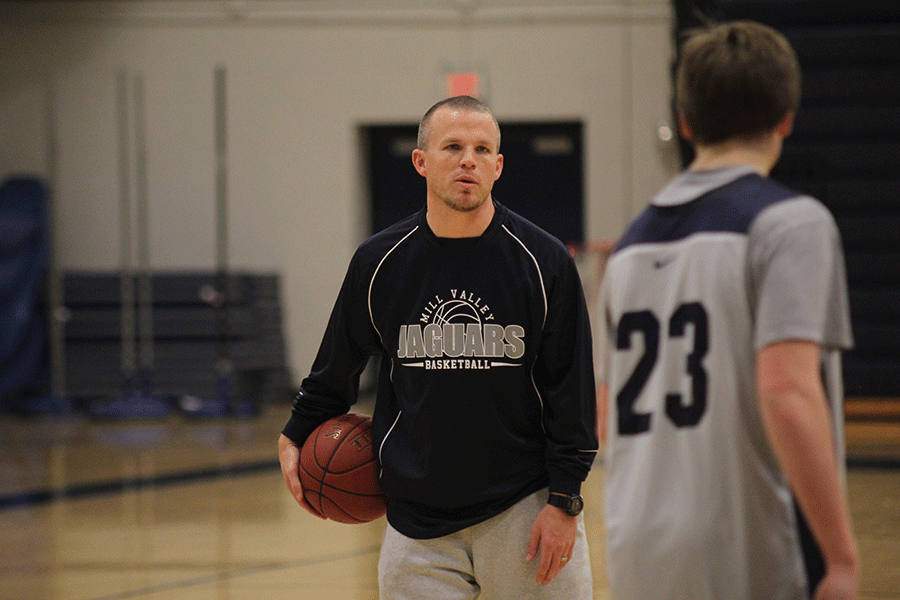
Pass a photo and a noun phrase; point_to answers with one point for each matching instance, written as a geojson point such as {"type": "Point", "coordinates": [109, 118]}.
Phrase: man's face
{"type": "Point", "coordinates": [461, 161]}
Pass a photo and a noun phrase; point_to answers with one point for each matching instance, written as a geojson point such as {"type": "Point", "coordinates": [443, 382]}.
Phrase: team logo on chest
{"type": "Point", "coordinates": [458, 331]}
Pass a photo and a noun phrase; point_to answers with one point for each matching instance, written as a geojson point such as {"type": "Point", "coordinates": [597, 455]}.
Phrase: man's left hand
{"type": "Point", "coordinates": [553, 534]}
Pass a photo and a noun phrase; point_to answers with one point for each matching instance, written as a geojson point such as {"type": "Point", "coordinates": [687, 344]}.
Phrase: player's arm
{"type": "Point", "coordinates": [603, 350]}
{"type": "Point", "coordinates": [564, 373]}
{"type": "Point", "coordinates": [332, 385]}
{"type": "Point", "coordinates": [797, 421]}
{"type": "Point", "coordinates": [602, 411]}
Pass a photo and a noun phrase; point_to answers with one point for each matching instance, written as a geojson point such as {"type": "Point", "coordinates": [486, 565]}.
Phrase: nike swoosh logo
{"type": "Point", "coordinates": [663, 262]}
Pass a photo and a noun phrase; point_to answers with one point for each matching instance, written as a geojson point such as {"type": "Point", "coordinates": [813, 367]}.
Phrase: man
{"type": "Point", "coordinates": [725, 310]}
{"type": "Point", "coordinates": [484, 418]}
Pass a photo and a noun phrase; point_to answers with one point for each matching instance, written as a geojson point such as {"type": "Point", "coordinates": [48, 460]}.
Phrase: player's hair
{"type": "Point", "coordinates": [467, 103]}
{"type": "Point", "coordinates": [736, 81]}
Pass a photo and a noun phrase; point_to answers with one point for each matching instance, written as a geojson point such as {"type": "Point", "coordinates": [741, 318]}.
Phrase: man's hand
{"type": "Point", "coordinates": [289, 456]}
{"type": "Point", "coordinates": [554, 534]}
{"type": "Point", "coordinates": [840, 583]}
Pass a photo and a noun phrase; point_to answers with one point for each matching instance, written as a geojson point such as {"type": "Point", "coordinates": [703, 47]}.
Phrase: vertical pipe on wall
{"type": "Point", "coordinates": [628, 119]}
{"type": "Point", "coordinates": [223, 284]}
{"type": "Point", "coordinates": [145, 284]}
{"type": "Point", "coordinates": [55, 310]}
{"type": "Point", "coordinates": [126, 275]}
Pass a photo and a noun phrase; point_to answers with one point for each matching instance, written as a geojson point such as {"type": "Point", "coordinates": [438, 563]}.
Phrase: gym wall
{"type": "Point", "coordinates": [303, 79]}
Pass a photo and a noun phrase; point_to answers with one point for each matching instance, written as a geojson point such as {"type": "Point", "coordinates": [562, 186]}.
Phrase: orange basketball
{"type": "Point", "coordinates": [339, 470]}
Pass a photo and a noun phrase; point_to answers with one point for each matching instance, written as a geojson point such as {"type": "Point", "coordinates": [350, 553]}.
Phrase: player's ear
{"type": "Point", "coordinates": [684, 129]}
{"type": "Point", "coordinates": [786, 125]}
{"type": "Point", "coordinates": [418, 159]}
{"type": "Point", "coordinates": [499, 167]}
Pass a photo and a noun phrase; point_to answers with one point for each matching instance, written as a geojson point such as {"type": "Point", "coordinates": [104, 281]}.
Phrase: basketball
{"type": "Point", "coordinates": [339, 471]}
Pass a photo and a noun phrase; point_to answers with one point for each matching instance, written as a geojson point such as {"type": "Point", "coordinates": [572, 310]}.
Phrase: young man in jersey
{"type": "Point", "coordinates": [725, 308]}
{"type": "Point", "coordinates": [484, 418]}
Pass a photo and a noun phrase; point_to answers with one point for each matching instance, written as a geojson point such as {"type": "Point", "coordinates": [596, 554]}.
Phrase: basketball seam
{"type": "Point", "coordinates": [349, 493]}
{"type": "Point", "coordinates": [351, 469]}
{"type": "Point", "coordinates": [357, 520]}
{"type": "Point", "coordinates": [337, 447]}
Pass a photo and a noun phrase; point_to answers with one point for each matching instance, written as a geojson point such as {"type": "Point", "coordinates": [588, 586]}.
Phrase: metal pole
{"type": "Point", "coordinates": [223, 282]}
{"type": "Point", "coordinates": [129, 359]}
{"type": "Point", "coordinates": [55, 309]}
{"type": "Point", "coordinates": [145, 284]}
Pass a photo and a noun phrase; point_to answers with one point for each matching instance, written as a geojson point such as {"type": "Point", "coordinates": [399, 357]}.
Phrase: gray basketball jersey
{"type": "Point", "coordinates": [720, 264]}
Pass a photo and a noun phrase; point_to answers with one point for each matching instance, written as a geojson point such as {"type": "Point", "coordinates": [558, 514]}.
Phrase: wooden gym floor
{"type": "Point", "coordinates": [196, 510]}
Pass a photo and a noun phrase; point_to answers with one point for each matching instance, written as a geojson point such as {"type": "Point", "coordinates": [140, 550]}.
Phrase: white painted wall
{"type": "Point", "coordinates": [303, 76]}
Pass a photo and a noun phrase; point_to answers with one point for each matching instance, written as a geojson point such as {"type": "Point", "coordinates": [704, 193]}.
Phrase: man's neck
{"type": "Point", "coordinates": [760, 154]}
{"type": "Point", "coordinates": [446, 222]}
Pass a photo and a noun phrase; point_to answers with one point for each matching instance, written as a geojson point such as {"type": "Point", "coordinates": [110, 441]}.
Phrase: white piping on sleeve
{"type": "Point", "coordinates": [372, 281]}
{"type": "Point", "coordinates": [372, 320]}
{"type": "Point", "coordinates": [537, 267]}
{"type": "Point", "coordinates": [386, 436]}
{"type": "Point", "coordinates": [543, 323]}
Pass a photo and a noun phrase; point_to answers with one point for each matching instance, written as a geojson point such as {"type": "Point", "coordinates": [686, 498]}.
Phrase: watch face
{"type": "Point", "coordinates": [576, 506]}
{"type": "Point", "coordinates": [573, 504]}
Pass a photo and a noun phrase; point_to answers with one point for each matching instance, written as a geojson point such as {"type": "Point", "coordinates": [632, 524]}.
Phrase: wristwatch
{"type": "Point", "coordinates": [571, 503]}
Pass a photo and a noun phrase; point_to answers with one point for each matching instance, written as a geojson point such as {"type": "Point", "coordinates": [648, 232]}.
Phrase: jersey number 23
{"type": "Point", "coordinates": [683, 412]}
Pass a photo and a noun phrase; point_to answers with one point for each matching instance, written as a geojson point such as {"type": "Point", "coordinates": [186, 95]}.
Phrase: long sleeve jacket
{"type": "Point", "coordinates": [486, 386]}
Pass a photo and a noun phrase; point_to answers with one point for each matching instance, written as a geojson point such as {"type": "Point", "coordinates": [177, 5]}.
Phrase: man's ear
{"type": "Point", "coordinates": [418, 160]}
{"type": "Point", "coordinates": [786, 125]}
{"type": "Point", "coordinates": [499, 167]}
{"type": "Point", "coordinates": [684, 129]}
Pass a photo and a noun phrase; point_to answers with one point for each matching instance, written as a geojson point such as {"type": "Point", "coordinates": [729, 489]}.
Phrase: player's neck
{"type": "Point", "coordinates": [446, 222]}
{"type": "Point", "coordinates": [760, 154]}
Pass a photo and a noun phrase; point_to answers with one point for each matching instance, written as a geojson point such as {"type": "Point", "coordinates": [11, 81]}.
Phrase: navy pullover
{"type": "Point", "coordinates": [486, 388]}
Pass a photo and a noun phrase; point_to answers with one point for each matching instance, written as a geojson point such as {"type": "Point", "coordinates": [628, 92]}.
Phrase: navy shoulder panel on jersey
{"type": "Point", "coordinates": [730, 208]}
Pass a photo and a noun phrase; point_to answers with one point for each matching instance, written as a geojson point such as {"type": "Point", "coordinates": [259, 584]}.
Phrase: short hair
{"type": "Point", "coordinates": [467, 103]}
{"type": "Point", "coordinates": [736, 80]}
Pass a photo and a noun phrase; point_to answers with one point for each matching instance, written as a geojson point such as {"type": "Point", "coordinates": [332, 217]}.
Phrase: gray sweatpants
{"type": "Point", "coordinates": [488, 558]}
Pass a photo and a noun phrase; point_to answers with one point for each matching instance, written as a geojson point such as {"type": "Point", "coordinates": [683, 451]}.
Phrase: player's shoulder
{"type": "Point", "coordinates": [754, 196]}
{"type": "Point", "coordinates": [796, 209]}
{"type": "Point", "coordinates": [698, 202]}
{"type": "Point", "coordinates": [794, 214]}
